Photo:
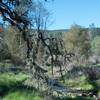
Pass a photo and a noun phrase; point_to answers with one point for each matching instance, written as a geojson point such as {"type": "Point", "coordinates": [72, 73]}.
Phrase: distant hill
{"type": "Point", "coordinates": [55, 32]}
{"type": "Point", "coordinates": [95, 31]}
{"type": "Point", "coordinates": [59, 30]}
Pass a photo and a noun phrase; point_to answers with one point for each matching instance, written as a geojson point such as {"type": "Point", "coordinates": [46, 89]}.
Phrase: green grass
{"type": "Point", "coordinates": [11, 83]}
{"type": "Point", "coordinates": [99, 93]}
{"type": "Point", "coordinates": [78, 98]}
{"type": "Point", "coordinates": [22, 95]}
{"type": "Point", "coordinates": [9, 79]}
{"type": "Point", "coordinates": [3, 64]}
{"type": "Point", "coordinates": [97, 65]}
{"type": "Point", "coordinates": [11, 87]}
{"type": "Point", "coordinates": [98, 82]}
{"type": "Point", "coordinates": [79, 83]}
{"type": "Point", "coordinates": [29, 95]}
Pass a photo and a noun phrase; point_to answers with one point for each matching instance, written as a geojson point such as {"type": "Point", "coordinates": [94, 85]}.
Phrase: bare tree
{"type": "Point", "coordinates": [41, 20]}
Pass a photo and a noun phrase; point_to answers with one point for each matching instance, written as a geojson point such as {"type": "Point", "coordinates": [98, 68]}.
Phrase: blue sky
{"type": "Point", "coordinates": [68, 12]}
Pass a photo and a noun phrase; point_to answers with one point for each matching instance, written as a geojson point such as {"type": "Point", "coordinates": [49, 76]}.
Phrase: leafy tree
{"type": "Point", "coordinates": [16, 45]}
{"type": "Point", "coordinates": [96, 45]}
{"type": "Point", "coordinates": [77, 40]}
{"type": "Point", "coordinates": [15, 42]}
{"type": "Point", "coordinates": [4, 51]}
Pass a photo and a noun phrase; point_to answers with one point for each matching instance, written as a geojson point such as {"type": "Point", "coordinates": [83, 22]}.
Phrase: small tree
{"type": "Point", "coordinates": [76, 40]}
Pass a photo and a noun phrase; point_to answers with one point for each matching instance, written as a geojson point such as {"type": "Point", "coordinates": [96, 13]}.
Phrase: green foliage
{"type": "Point", "coordinates": [96, 45]}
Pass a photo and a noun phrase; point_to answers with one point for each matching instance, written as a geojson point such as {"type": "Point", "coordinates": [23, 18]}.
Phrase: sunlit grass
{"type": "Point", "coordinates": [79, 83]}
{"type": "Point", "coordinates": [9, 81]}
{"type": "Point", "coordinates": [11, 78]}
{"type": "Point", "coordinates": [22, 95]}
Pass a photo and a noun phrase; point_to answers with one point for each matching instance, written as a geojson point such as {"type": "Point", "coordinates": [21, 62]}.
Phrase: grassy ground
{"type": "Point", "coordinates": [79, 83]}
{"type": "Point", "coordinates": [22, 95]}
{"type": "Point", "coordinates": [11, 87]}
